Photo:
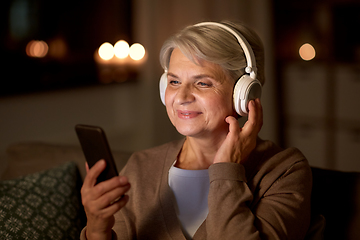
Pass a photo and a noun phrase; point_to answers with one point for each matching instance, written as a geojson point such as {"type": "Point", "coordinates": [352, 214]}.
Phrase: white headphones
{"type": "Point", "coordinates": [246, 88]}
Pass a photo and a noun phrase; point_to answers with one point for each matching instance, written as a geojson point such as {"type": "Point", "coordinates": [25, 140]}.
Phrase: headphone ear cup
{"type": "Point", "coordinates": [162, 86]}
{"type": "Point", "coordinates": [246, 89]}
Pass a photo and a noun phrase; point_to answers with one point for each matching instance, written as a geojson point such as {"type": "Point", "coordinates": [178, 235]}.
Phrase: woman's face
{"type": "Point", "coordinates": [198, 98]}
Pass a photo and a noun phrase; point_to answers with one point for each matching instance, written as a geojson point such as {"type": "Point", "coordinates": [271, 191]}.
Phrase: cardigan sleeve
{"type": "Point", "coordinates": [83, 234]}
{"type": "Point", "coordinates": [281, 212]}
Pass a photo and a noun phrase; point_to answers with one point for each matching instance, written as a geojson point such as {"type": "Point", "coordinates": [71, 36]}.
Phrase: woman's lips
{"type": "Point", "coordinates": [187, 114]}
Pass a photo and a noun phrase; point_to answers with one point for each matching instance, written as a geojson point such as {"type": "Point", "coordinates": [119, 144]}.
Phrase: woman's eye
{"type": "Point", "coordinates": [174, 82]}
{"type": "Point", "coordinates": [203, 84]}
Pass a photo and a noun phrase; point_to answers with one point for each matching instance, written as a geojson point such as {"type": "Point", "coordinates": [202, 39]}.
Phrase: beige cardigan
{"type": "Point", "coordinates": [268, 198]}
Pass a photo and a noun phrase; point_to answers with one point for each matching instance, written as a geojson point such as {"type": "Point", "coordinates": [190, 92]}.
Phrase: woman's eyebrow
{"type": "Point", "coordinates": [196, 77]}
{"type": "Point", "coordinates": [199, 76]}
{"type": "Point", "coordinates": [172, 75]}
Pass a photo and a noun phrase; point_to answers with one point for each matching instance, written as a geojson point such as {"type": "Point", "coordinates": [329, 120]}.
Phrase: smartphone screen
{"type": "Point", "coordinates": [95, 146]}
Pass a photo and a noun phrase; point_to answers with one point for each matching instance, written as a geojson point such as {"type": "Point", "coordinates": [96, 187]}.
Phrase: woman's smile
{"type": "Point", "coordinates": [183, 114]}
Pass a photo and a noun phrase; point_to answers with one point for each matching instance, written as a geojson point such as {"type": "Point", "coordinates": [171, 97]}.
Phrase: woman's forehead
{"type": "Point", "coordinates": [180, 62]}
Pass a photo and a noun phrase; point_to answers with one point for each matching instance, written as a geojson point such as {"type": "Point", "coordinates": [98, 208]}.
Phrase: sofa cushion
{"type": "Point", "coordinates": [43, 205]}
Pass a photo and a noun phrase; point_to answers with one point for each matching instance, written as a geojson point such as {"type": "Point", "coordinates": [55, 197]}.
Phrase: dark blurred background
{"type": "Point", "coordinates": [311, 104]}
{"type": "Point", "coordinates": [72, 29]}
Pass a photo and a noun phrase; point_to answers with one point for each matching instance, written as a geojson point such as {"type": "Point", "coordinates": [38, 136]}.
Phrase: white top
{"type": "Point", "coordinates": [191, 189]}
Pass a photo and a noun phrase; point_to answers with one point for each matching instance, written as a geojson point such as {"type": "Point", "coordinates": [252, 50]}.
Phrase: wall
{"type": "Point", "coordinates": [51, 117]}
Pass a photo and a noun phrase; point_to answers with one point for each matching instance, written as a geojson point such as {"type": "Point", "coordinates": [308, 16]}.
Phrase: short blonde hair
{"type": "Point", "coordinates": [216, 45]}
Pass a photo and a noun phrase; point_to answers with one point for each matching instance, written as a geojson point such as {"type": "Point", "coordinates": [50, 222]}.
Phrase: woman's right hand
{"type": "Point", "coordinates": [240, 142]}
{"type": "Point", "coordinates": [100, 201]}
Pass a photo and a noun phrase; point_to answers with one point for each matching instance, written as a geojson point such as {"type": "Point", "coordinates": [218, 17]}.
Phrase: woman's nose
{"type": "Point", "coordinates": [185, 94]}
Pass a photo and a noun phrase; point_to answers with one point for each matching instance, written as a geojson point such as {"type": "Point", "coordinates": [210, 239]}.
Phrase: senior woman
{"type": "Point", "coordinates": [221, 181]}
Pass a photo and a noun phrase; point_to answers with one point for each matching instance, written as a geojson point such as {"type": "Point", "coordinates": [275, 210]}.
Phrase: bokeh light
{"type": "Point", "coordinates": [106, 51]}
{"type": "Point", "coordinates": [307, 52]}
{"type": "Point", "coordinates": [58, 48]}
{"type": "Point", "coordinates": [37, 49]}
{"type": "Point", "coordinates": [137, 51]}
{"type": "Point", "coordinates": [121, 49]}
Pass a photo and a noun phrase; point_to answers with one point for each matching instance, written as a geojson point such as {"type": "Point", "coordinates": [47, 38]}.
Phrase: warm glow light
{"type": "Point", "coordinates": [106, 51]}
{"type": "Point", "coordinates": [57, 48]}
{"type": "Point", "coordinates": [121, 49]}
{"type": "Point", "coordinates": [307, 52]}
{"type": "Point", "coordinates": [137, 51]}
{"type": "Point", "coordinates": [37, 49]}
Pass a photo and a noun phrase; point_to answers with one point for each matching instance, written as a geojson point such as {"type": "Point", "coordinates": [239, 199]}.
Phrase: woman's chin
{"type": "Point", "coordinates": [188, 132]}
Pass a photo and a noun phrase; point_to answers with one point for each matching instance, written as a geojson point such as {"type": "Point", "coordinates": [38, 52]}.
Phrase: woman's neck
{"type": "Point", "coordinates": [197, 153]}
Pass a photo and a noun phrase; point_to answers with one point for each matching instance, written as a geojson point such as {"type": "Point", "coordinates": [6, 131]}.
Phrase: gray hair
{"type": "Point", "coordinates": [216, 45]}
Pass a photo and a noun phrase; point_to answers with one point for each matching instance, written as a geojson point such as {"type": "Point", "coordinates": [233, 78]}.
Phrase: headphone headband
{"type": "Point", "coordinates": [249, 54]}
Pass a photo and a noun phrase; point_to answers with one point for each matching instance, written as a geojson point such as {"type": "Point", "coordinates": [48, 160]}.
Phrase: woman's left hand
{"type": "Point", "coordinates": [240, 142]}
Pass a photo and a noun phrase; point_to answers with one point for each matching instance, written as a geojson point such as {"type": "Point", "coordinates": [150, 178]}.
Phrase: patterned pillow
{"type": "Point", "coordinates": [44, 205]}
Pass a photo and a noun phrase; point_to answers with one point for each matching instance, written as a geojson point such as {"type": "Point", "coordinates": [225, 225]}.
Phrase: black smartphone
{"type": "Point", "coordinates": [95, 146]}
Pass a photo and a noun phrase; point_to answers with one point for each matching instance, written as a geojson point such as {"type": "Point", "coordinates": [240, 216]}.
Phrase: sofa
{"type": "Point", "coordinates": [40, 195]}
{"type": "Point", "coordinates": [40, 191]}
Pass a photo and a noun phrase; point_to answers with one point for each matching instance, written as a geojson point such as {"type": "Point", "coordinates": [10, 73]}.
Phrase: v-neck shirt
{"type": "Point", "coordinates": [191, 189]}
